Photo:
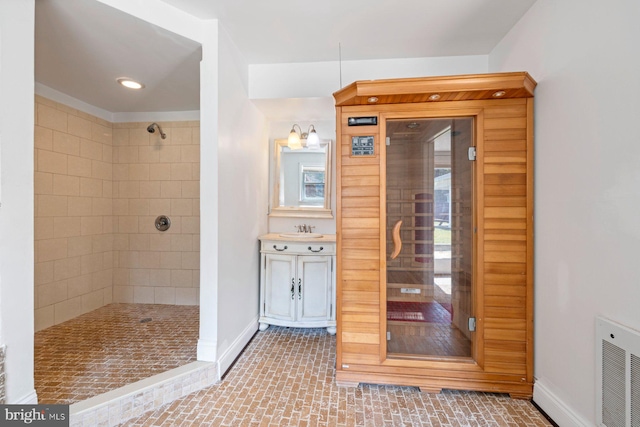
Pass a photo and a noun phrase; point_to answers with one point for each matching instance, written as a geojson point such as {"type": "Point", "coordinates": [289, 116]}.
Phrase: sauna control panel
{"type": "Point", "coordinates": [362, 146]}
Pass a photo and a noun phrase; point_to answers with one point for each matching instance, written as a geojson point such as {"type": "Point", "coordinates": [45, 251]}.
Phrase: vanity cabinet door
{"type": "Point", "coordinates": [314, 288]}
{"type": "Point", "coordinates": [281, 287]}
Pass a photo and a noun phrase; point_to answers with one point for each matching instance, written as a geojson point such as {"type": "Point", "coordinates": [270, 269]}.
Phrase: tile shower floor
{"type": "Point", "coordinates": [111, 347]}
{"type": "Point", "coordinates": [285, 377]}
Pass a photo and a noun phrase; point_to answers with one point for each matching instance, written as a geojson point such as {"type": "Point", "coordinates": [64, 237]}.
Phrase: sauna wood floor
{"type": "Point", "coordinates": [286, 377]}
{"type": "Point", "coordinates": [111, 347]}
{"type": "Point", "coordinates": [427, 338]}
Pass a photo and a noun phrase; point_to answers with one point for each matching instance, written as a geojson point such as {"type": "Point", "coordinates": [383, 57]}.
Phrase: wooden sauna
{"type": "Point", "coordinates": [435, 233]}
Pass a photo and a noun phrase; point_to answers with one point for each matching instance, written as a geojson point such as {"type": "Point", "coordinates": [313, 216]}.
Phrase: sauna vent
{"type": "Point", "coordinates": [617, 375]}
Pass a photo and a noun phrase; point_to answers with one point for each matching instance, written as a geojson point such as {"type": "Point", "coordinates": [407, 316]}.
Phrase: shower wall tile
{"type": "Point", "coordinates": [67, 310]}
{"type": "Point", "coordinates": [164, 295]}
{"type": "Point", "coordinates": [77, 166]}
{"type": "Point", "coordinates": [170, 154]}
{"type": "Point", "coordinates": [139, 207]}
{"type": "Point", "coordinates": [79, 126]}
{"type": "Point", "coordinates": [160, 278]}
{"type": "Point", "coordinates": [51, 117]}
{"type": "Point", "coordinates": [66, 143]}
{"type": "Point", "coordinates": [43, 228]}
{"type": "Point", "coordinates": [48, 161]}
{"type": "Point", "coordinates": [66, 185]}
{"type": "Point", "coordinates": [81, 245]}
{"type": "Point", "coordinates": [73, 240]}
{"type": "Point", "coordinates": [107, 189]}
{"type": "Point", "coordinates": [50, 205]}
{"type": "Point", "coordinates": [90, 187]}
{"type": "Point", "coordinates": [182, 278]}
{"type": "Point", "coordinates": [152, 177]}
{"type": "Point", "coordinates": [150, 189]}
{"type": "Point", "coordinates": [43, 138]}
{"type": "Point", "coordinates": [101, 170]}
{"type": "Point", "coordinates": [149, 154]}
{"type": "Point", "coordinates": [98, 188]}
{"type": "Point", "coordinates": [143, 295]}
{"type": "Point", "coordinates": [43, 183]}
{"type": "Point", "coordinates": [91, 150]}
{"type": "Point", "coordinates": [186, 296]}
{"type": "Point", "coordinates": [44, 317]}
{"type": "Point", "coordinates": [123, 293]}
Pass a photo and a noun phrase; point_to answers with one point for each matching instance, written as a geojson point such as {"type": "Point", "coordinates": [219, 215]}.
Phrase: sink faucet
{"type": "Point", "coordinates": [304, 228]}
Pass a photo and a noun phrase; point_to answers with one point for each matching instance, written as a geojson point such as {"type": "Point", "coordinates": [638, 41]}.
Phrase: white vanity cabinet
{"type": "Point", "coordinates": [297, 282]}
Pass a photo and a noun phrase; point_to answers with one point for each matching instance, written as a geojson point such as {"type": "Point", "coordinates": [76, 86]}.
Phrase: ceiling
{"type": "Point", "coordinates": [82, 46]}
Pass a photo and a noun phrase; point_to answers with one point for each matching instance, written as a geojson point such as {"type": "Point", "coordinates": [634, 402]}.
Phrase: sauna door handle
{"type": "Point", "coordinates": [397, 242]}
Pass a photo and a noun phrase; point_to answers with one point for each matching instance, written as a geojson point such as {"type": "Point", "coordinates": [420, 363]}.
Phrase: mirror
{"type": "Point", "coordinates": [301, 181]}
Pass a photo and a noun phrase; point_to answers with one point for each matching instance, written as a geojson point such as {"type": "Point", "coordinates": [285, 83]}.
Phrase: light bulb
{"type": "Point", "coordinates": [313, 141]}
{"type": "Point", "coordinates": [293, 142]}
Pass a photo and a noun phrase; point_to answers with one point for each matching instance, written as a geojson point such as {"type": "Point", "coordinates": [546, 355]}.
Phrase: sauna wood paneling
{"type": "Point", "coordinates": [503, 210]}
{"type": "Point", "coordinates": [358, 275]}
{"type": "Point", "coordinates": [505, 238]}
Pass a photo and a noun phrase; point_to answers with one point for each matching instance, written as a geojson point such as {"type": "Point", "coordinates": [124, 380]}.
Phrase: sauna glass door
{"type": "Point", "coordinates": [429, 237]}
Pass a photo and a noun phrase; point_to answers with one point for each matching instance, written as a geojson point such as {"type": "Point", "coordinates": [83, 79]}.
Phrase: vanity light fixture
{"type": "Point", "coordinates": [294, 142]}
{"type": "Point", "coordinates": [499, 94]}
{"type": "Point", "coordinates": [128, 83]}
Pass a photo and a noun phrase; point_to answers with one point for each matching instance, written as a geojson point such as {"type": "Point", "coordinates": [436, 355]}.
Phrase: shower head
{"type": "Point", "coordinates": [151, 129]}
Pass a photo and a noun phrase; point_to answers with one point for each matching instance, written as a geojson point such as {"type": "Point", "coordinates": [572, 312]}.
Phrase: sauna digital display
{"type": "Point", "coordinates": [362, 146]}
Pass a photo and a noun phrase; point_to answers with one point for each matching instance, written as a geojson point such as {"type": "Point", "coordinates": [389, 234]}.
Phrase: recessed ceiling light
{"type": "Point", "coordinates": [499, 94]}
{"type": "Point", "coordinates": [434, 97]}
{"type": "Point", "coordinates": [372, 99]}
{"type": "Point", "coordinates": [128, 83]}
{"type": "Point", "coordinates": [413, 125]}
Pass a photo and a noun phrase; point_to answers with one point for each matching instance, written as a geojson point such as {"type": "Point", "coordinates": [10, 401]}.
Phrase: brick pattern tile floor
{"type": "Point", "coordinates": [110, 347]}
{"type": "Point", "coordinates": [285, 377]}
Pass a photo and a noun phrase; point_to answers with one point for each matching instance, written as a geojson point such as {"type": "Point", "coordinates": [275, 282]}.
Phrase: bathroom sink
{"type": "Point", "coordinates": [301, 235]}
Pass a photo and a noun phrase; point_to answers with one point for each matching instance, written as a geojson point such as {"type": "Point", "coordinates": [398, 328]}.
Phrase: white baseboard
{"type": "Point", "coordinates": [207, 350]}
{"type": "Point", "coordinates": [226, 359]}
{"type": "Point", "coordinates": [555, 408]}
{"type": "Point", "coordinates": [30, 398]}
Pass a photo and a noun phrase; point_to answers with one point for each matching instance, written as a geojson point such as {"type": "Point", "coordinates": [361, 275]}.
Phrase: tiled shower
{"type": "Point", "coordinates": [98, 188]}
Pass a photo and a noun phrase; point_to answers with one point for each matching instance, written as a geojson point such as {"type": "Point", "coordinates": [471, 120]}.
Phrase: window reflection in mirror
{"type": "Point", "coordinates": [302, 181]}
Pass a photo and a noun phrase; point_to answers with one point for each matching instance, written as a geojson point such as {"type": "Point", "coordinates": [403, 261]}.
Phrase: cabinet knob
{"type": "Point", "coordinates": [319, 250]}
{"type": "Point", "coordinates": [280, 250]}
{"type": "Point", "coordinates": [293, 287]}
{"type": "Point", "coordinates": [299, 288]}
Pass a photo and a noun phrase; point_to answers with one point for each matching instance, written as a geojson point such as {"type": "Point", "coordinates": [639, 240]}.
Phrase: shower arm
{"type": "Point", "coordinates": [151, 130]}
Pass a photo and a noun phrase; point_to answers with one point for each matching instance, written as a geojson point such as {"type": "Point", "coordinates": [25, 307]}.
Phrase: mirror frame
{"type": "Point", "coordinates": [295, 211]}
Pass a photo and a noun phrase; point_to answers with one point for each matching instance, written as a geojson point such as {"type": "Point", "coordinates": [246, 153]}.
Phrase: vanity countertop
{"type": "Point", "coordinates": [326, 238]}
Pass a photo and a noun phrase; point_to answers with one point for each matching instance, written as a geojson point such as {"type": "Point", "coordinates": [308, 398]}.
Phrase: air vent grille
{"type": "Point", "coordinates": [613, 385]}
{"type": "Point", "coordinates": [617, 375]}
{"type": "Point", "coordinates": [635, 391]}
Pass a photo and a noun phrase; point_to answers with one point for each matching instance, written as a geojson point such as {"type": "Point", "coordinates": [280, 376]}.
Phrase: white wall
{"type": "Point", "coordinates": [243, 161]}
{"type": "Point", "coordinates": [584, 55]}
{"type": "Point", "coordinates": [320, 79]}
{"type": "Point", "coordinates": [16, 192]}
{"type": "Point", "coordinates": [302, 92]}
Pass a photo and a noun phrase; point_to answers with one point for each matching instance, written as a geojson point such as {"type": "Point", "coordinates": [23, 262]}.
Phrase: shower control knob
{"type": "Point", "coordinates": [163, 223]}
